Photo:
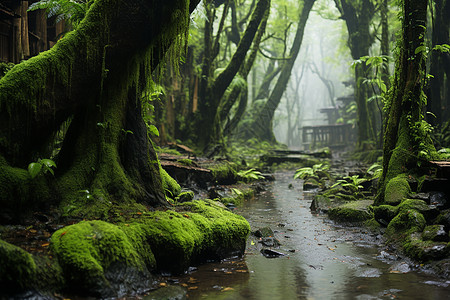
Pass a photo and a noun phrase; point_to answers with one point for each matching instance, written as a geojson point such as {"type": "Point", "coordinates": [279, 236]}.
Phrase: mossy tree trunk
{"type": "Point", "coordinates": [93, 79]}
{"type": "Point", "coordinates": [262, 126]}
{"type": "Point", "coordinates": [212, 89]}
{"type": "Point", "coordinates": [437, 102]}
{"type": "Point", "coordinates": [407, 141]}
{"type": "Point", "coordinates": [358, 16]}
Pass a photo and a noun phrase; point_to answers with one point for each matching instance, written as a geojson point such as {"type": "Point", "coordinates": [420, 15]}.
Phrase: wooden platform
{"type": "Point", "coordinates": [328, 135]}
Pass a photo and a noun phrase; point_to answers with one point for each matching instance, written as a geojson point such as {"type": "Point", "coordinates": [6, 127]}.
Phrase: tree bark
{"type": "Point", "coordinates": [94, 77]}
{"type": "Point", "coordinates": [406, 141]}
{"type": "Point", "coordinates": [262, 126]}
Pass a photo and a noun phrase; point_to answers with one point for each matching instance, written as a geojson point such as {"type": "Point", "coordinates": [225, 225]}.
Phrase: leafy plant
{"type": "Point", "coordinates": [42, 166]}
{"type": "Point", "coordinates": [71, 10]}
{"type": "Point", "coordinates": [350, 183]}
{"type": "Point", "coordinates": [375, 170]}
{"type": "Point", "coordinates": [318, 171]}
{"type": "Point", "coordinates": [250, 175]}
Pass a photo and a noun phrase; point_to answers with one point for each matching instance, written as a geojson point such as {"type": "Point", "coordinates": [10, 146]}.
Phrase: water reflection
{"type": "Point", "coordinates": [322, 261]}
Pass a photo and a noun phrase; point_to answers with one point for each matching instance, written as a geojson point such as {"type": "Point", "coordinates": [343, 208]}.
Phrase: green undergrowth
{"type": "Point", "coordinates": [164, 240]}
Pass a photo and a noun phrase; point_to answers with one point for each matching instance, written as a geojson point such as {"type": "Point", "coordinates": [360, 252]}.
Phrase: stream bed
{"type": "Point", "coordinates": [322, 260]}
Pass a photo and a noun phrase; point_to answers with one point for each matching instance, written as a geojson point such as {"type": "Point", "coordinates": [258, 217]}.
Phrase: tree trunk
{"type": "Point", "coordinates": [357, 19]}
{"type": "Point", "coordinates": [262, 126]}
{"type": "Point", "coordinates": [210, 99]}
{"type": "Point", "coordinates": [407, 140]}
{"type": "Point", "coordinates": [93, 78]}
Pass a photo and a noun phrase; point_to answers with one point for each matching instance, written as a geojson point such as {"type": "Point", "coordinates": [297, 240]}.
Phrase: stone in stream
{"type": "Point", "coordinates": [270, 242]}
{"type": "Point", "coordinates": [439, 199]}
{"type": "Point", "coordinates": [269, 253]}
{"type": "Point", "coordinates": [264, 232]}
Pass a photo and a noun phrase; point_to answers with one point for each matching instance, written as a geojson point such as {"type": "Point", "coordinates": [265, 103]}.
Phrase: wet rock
{"type": "Point", "coordinates": [439, 199]}
{"type": "Point", "coordinates": [264, 232]}
{"type": "Point", "coordinates": [355, 211]}
{"type": "Point", "coordinates": [269, 253]}
{"type": "Point", "coordinates": [386, 256]}
{"type": "Point", "coordinates": [430, 212]}
{"type": "Point", "coordinates": [321, 203]}
{"type": "Point", "coordinates": [270, 242]}
{"type": "Point", "coordinates": [435, 233]}
{"type": "Point", "coordinates": [401, 267]}
{"type": "Point", "coordinates": [310, 184]}
{"type": "Point", "coordinates": [170, 292]}
{"type": "Point", "coordinates": [383, 214]}
{"type": "Point", "coordinates": [396, 190]}
{"type": "Point", "coordinates": [421, 250]}
{"type": "Point", "coordinates": [368, 272]}
{"type": "Point", "coordinates": [444, 218]}
{"type": "Point", "coordinates": [421, 196]}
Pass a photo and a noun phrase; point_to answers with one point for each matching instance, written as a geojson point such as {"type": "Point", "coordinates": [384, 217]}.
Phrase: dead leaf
{"type": "Point", "coordinates": [45, 244]}
{"type": "Point", "coordinates": [227, 289]}
{"type": "Point", "coordinates": [162, 284]}
{"type": "Point", "coordinates": [192, 288]}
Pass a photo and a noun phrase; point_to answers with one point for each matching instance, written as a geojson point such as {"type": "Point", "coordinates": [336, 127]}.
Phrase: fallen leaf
{"type": "Point", "coordinates": [227, 289]}
{"type": "Point", "coordinates": [163, 284]}
{"type": "Point", "coordinates": [241, 271]}
{"type": "Point", "coordinates": [184, 284]}
{"type": "Point", "coordinates": [45, 244]}
{"type": "Point", "coordinates": [192, 288]}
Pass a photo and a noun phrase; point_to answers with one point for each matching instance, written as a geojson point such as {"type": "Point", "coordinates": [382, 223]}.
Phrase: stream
{"type": "Point", "coordinates": [322, 261]}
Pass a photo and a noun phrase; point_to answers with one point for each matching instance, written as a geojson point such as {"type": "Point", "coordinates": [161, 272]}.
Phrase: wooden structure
{"type": "Point", "coordinates": [328, 135]}
{"type": "Point", "coordinates": [24, 34]}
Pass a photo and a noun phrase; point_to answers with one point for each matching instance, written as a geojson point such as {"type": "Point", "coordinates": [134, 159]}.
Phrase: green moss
{"type": "Point", "coordinates": [224, 172]}
{"type": "Point", "coordinates": [424, 251]}
{"type": "Point", "coordinates": [85, 251]}
{"type": "Point", "coordinates": [385, 212]}
{"type": "Point", "coordinates": [407, 221]}
{"type": "Point", "coordinates": [170, 186]}
{"type": "Point", "coordinates": [17, 267]}
{"type": "Point", "coordinates": [18, 192]}
{"type": "Point", "coordinates": [355, 211]}
{"type": "Point", "coordinates": [185, 161]}
{"type": "Point", "coordinates": [430, 233]}
{"type": "Point", "coordinates": [372, 224]}
{"type": "Point", "coordinates": [396, 190]}
{"type": "Point", "coordinates": [185, 196]}
{"type": "Point", "coordinates": [197, 231]}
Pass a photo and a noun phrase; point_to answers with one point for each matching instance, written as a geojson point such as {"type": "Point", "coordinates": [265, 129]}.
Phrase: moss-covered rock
{"type": "Point", "coordinates": [17, 267]}
{"type": "Point", "coordinates": [424, 251]}
{"type": "Point", "coordinates": [86, 250]}
{"type": "Point", "coordinates": [435, 233]}
{"type": "Point", "coordinates": [407, 221]}
{"type": "Point", "coordinates": [385, 213]}
{"type": "Point", "coordinates": [185, 196]}
{"type": "Point", "coordinates": [355, 211]}
{"type": "Point", "coordinates": [396, 190]}
{"type": "Point", "coordinates": [429, 212]}
{"type": "Point", "coordinates": [444, 218]}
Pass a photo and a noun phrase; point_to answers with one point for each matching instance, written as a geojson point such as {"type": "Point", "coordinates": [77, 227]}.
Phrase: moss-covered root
{"type": "Point", "coordinates": [203, 231]}
{"type": "Point", "coordinates": [171, 187]}
{"type": "Point", "coordinates": [89, 251]}
{"type": "Point", "coordinates": [20, 271]}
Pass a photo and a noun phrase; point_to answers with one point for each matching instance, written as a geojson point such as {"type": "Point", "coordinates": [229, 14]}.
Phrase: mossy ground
{"type": "Point", "coordinates": [164, 240]}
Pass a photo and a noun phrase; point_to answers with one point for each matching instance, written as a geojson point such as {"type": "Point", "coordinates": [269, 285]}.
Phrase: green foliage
{"type": "Point", "coordinates": [42, 166]}
{"type": "Point", "coordinates": [318, 170]}
{"type": "Point", "coordinates": [351, 183]}
{"type": "Point", "coordinates": [5, 67]}
{"type": "Point", "coordinates": [250, 175]}
{"type": "Point", "coordinates": [444, 48]}
{"type": "Point", "coordinates": [152, 94]}
{"type": "Point", "coordinates": [375, 170]}
{"type": "Point", "coordinates": [72, 11]}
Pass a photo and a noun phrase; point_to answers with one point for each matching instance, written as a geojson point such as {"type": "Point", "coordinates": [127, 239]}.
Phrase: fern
{"type": "Point", "coordinates": [72, 11]}
{"type": "Point", "coordinates": [250, 175]}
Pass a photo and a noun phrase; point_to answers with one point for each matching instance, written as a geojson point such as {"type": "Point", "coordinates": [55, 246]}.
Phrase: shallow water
{"type": "Point", "coordinates": [322, 261]}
